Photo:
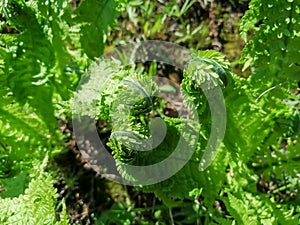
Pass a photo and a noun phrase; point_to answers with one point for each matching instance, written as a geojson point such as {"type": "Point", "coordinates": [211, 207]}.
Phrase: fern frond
{"type": "Point", "coordinates": [272, 52]}
{"type": "Point", "coordinates": [29, 61]}
{"type": "Point", "coordinates": [248, 209]}
{"type": "Point", "coordinates": [36, 205]}
{"type": "Point", "coordinates": [95, 17]}
{"type": "Point", "coordinates": [25, 135]}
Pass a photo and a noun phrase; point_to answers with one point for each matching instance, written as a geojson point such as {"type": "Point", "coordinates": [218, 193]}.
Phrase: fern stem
{"type": "Point", "coordinates": [268, 90]}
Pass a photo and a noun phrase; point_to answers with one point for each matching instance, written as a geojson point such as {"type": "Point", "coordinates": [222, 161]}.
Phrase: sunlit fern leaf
{"type": "Point", "coordinates": [53, 15]}
{"type": "Point", "coordinates": [95, 17]}
{"type": "Point", "coordinates": [24, 135]}
{"type": "Point", "coordinates": [24, 138]}
{"type": "Point", "coordinates": [29, 61]}
{"type": "Point", "coordinates": [249, 209]}
{"type": "Point", "coordinates": [36, 205]}
{"type": "Point", "coordinates": [273, 61]}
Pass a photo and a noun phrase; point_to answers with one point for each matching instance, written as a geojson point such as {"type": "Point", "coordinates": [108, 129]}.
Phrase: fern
{"type": "Point", "coordinates": [24, 61]}
{"type": "Point", "coordinates": [259, 117]}
{"type": "Point", "coordinates": [273, 50]}
{"type": "Point", "coordinates": [44, 57]}
{"type": "Point", "coordinates": [37, 55]}
{"type": "Point", "coordinates": [249, 209]}
{"type": "Point", "coordinates": [95, 17]}
{"type": "Point", "coordinates": [36, 205]}
{"type": "Point", "coordinates": [39, 67]}
{"type": "Point", "coordinates": [131, 128]}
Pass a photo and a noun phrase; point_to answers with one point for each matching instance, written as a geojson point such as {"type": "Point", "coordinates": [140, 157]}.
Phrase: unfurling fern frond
{"type": "Point", "coordinates": [129, 101]}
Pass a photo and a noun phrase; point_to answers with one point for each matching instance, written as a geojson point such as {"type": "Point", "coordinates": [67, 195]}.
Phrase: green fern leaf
{"type": "Point", "coordinates": [36, 205]}
{"type": "Point", "coordinates": [95, 17]}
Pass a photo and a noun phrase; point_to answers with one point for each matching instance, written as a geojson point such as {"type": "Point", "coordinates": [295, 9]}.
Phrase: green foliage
{"type": "Point", "coordinates": [43, 55]}
{"type": "Point", "coordinates": [274, 62]}
{"type": "Point", "coordinates": [262, 133]}
{"type": "Point", "coordinates": [118, 215]}
{"type": "Point", "coordinates": [248, 209]}
{"type": "Point", "coordinates": [94, 18]}
{"type": "Point", "coordinates": [44, 47]}
{"type": "Point", "coordinates": [36, 205]}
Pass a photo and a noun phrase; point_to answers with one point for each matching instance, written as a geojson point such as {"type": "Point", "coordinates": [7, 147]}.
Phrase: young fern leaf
{"type": "Point", "coordinates": [24, 62]}
{"type": "Point", "coordinates": [217, 69]}
{"type": "Point", "coordinates": [95, 17]}
{"type": "Point", "coordinates": [137, 85]}
{"type": "Point", "coordinates": [36, 205]}
{"type": "Point", "coordinates": [40, 63]}
{"type": "Point", "coordinates": [273, 61]}
{"type": "Point", "coordinates": [127, 133]}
